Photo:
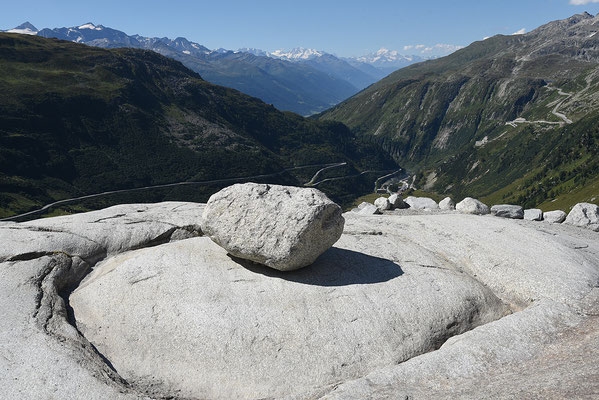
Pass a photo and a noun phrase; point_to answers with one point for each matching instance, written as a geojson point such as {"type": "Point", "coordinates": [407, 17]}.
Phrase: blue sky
{"type": "Point", "coordinates": [343, 27]}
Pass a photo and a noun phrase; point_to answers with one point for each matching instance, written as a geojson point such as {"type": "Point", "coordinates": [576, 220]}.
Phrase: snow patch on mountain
{"type": "Point", "coordinates": [89, 25]}
{"type": "Point", "coordinates": [299, 53]}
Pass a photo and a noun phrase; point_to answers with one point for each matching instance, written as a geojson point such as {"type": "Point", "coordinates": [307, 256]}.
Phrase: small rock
{"type": "Point", "coordinates": [283, 227]}
{"type": "Point", "coordinates": [382, 204]}
{"type": "Point", "coordinates": [472, 206]}
{"type": "Point", "coordinates": [422, 203]}
{"type": "Point", "coordinates": [555, 217]}
{"type": "Point", "coordinates": [533, 214]}
{"type": "Point", "coordinates": [447, 204]}
{"type": "Point", "coordinates": [369, 209]}
{"type": "Point", "coordinates": [363, 204]}
{"type": "Point", "coordinates": [585, 215]}
{"type": "Point", "coordinates": [397, 201]}
{"type": "Point", "coordinates": [507, 211]}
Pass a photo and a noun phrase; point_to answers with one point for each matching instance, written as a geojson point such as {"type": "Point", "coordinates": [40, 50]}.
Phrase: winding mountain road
{"type": "Point", "coordinates": [554, 111]}
{"type": "Point", "coordinates": [185, 183]}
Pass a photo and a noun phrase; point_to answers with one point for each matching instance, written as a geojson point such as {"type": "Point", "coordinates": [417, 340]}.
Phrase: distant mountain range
{"type": "Point", "coordinates": [305, 81]}
{"type": "Point", "coordinates": [511, 119]}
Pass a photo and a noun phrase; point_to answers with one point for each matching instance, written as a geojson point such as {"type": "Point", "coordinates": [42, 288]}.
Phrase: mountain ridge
{"type": "Point", "coordinates": [450, 118]}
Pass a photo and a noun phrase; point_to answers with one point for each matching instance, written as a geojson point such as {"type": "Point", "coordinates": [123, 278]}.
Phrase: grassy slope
{"type": "Point", "coordinates": [76, 120]}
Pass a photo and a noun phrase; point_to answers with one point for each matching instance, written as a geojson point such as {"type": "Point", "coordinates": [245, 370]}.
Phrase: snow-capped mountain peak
{"type": "Point", "coordinates": [25, 29]}
{"type": "Point", "coordinates": [299, 53]}
{"type": "Point", "coordinates": [384, 55]}
{"type": "Point", "coordinates": [89, 25]}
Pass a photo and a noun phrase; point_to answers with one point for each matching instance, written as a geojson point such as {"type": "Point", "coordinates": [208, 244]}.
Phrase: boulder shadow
{"type": "Point", "coordinates": [335, 267]}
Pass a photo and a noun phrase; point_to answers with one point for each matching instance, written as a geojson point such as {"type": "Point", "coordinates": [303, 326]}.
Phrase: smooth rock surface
{"type": "Point", "coordinates": [382, 204]}
{"type": "Point", "coordinates": [421, 203]}
{"type": "Point", "coordinates": [282, 227]}
{"type": "Point", "coordinates": [533, 214]}
{"type": "Point", "coordinates": [584, 215]}
{"type": "Point", "coordinates": [451, 266]}
{"type": "Point", "coordinates": [447, 204]}
{"type": "Point", "coordinates": [397, 201]}
{"type": "Point", "coordinates": [269, 334]}
{"type": "Point", "coordinates": [42, 356]}
{"type": "Point", "coordinates": [472, 206]}
{"type": "Point", "coordinates": [507, 211]}
{"type": "Point", "coordinates": [555, 217]}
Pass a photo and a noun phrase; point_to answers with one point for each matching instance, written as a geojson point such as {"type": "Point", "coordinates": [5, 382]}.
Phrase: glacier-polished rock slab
{"type": "Point", "coordinates": [229, 329]}
{"type": "Point", "coordinates": [547, 273]}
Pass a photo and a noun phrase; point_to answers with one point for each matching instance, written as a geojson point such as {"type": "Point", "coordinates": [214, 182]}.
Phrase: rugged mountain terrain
{"type": "Point", "coordinates": [76, 119]}
{"type": "Point", "coordinates": [510, 118]}
{"type": "Point", "coordinates": [288, 86]}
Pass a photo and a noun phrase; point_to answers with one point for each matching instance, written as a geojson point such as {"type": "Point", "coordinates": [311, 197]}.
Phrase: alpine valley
{"type": "Point", "coordinates": [305, 81]}
{"type": "Point", "coordinates": [76, 120]}
{"type": "Point", "coordinates": [511, 119]}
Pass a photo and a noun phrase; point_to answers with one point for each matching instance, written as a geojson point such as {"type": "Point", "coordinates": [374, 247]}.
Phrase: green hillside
{"type": "Point", "coordinates": [76, 120]}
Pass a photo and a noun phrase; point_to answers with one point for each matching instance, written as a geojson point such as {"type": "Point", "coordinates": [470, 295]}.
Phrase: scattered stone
{"type": "Point", "coordinates": [555, 217]}
{"type": "Point", "coordinates": [363, 204]}
{"type": "Point", "coordinates": [283, 227]}
{"type": "Point", "coordinates": [447, 204]}
{"type": "Point", "coordinates": [533, 214]}
{"type": "Point", "coordinates": [421, 203]}
{"type": "Point", "coordinates": [472, 206]}
{"type": "Point", "coordinates": [507, 211]}
{"type": "Point", "coordinates": [382, 204]}
{"type": "Point", "coordinates": [585, 215]}
{"type": "Point", "coordinates": [369, 209]}
{"type": "Point", "coordinates": [397, 201]}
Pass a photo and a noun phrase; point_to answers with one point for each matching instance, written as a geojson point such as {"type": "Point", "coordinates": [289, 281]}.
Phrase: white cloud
{"type": "Point", "coordinates": [437, 49]}
{"type": "Point", "coordinates": [486, 37]}
{"type": "Point", "coordinates": [582, 2]}
{"type": "Point", "coordinates": [523, 30]}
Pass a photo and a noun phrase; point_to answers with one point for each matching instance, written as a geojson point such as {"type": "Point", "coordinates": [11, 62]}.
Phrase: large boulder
{"type": "Point", "coordinates": [447, 204]}
{"type": "Point", "coordinates": [555, 217]}
{"type": "Point", "coordinates": [507, 211]}
{"type": "Point", "coordinates": [585, 215]}
{"type": "Point", "coordinates": [382, 204]}
{"type": "Point", "coordinates": [533, 214]}
{"type": "Point", "coordinates": [397, 201]}
{"type": "Point", "coordinates": [283, 227]}
{"type": "Point", "coordinates": [421, 203]}
{"type": "Point", "coordinates": [472, 206]}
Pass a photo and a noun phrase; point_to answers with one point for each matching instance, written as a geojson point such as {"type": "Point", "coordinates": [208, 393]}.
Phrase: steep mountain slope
{"type": "Point", "coordinates": [296, 87]}
{"type": "Point", "coordinates": [76, 119]}
{"type": "Point", "coordinates": [458, 120]}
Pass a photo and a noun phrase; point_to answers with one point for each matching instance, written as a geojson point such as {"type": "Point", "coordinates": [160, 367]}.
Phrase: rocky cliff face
{"type": "Point", "coordinates": [449, 115]}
